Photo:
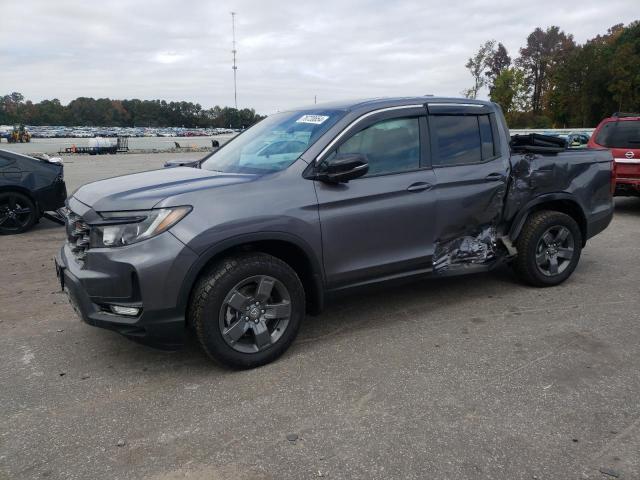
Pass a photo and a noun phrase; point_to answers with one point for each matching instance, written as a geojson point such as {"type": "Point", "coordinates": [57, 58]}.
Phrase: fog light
{"type": "Point", "coordinates": [129, 311]}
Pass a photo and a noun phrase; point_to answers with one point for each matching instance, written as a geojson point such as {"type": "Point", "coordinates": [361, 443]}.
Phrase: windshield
{"type": "Point", "coordinates": [623, 134]}
{"type": "Point", "coordinates": [272, 144]}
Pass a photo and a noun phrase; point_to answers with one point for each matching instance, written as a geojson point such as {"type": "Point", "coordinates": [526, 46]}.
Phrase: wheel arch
{"type": "Point", "coordinates": [560, 202]}
{"type": "Point", "coordinates": [288, 248]}
{"type": "Point", "coordinates": [24, 191]}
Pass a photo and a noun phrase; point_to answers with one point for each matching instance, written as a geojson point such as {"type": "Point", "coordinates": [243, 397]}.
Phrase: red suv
{"type": "Point", "coordinates": [621, 134]}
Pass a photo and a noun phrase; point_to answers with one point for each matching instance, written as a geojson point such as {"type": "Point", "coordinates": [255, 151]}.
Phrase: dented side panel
{"type": "Point", "coordinates": [580, 176]}
{"type": "Point", "coordinates": [473, 218]}
{"type": "Point", "coordinates": [471, 201]}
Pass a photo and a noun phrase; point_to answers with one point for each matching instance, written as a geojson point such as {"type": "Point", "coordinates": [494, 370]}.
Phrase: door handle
{"type": "Point", "coordinates": [419, 187]}
{"type": "Point", "coordinates": [492, 177]}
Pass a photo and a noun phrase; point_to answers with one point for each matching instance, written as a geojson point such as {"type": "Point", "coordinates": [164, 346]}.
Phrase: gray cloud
{"type": "Point", "coordinates": [288, 51]}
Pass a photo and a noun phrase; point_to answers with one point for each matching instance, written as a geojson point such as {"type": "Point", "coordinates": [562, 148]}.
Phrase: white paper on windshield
{"type": "Point", "coordinates": [315, 119]}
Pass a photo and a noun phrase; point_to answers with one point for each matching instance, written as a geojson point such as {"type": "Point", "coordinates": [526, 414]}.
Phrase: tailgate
{"type": "Point", "coordinates": [627, 163]}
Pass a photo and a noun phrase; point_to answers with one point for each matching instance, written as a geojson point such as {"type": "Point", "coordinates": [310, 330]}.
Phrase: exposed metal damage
{"type": "Point", "coordinates": [467, 250]}
{"type": "Point", "coordinates": [530, 175]}
{"type": "Point", "coordinates": [488, 244]}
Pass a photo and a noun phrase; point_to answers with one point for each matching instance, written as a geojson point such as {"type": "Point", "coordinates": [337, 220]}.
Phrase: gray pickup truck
{"type": "Point", "coordinates": [314, 201]}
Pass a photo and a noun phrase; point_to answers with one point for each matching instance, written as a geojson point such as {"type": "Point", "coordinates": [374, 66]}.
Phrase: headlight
{"type": "Point", "coordinates": [125, 228]}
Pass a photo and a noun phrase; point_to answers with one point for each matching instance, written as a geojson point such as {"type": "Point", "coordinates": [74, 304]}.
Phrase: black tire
{"type": "Point", "coordinates": [536, 246]}
{"type": "Point", "coordinates": [209, 309]}
{"type": "Point", "coordinates": [18, 213]}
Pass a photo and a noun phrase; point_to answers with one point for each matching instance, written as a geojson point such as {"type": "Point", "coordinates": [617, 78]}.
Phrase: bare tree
{"type": "Point", "coordinates": [477, 66]}
{"type": "Point", "coordinates": [497, 62]}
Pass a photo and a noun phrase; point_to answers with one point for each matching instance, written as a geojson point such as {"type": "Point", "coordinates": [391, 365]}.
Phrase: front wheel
{"type": "Point", "coordinates": [247, 310]}
{"type": "Point", "coordinates": [17, 213]}
{"type": "Point", "coordinates": [549, 248]}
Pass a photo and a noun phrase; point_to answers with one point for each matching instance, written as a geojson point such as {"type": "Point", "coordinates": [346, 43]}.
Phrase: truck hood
{"type": "Point", "coordinates": [141, 191]}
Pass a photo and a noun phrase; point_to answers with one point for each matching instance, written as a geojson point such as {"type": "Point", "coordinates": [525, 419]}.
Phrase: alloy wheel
{"type": "Point", "coordinates": [555, 250]}
{"type": "Point", "coordinates": [14, 215]}
{"type": "Point", "coordinates": [255, 314]}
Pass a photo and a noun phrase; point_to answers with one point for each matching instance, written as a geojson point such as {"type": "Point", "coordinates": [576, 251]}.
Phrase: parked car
{"type": "Point", "coordinates": [29, 187]}
{"type": "Point", "coordinates": [241, 247]}
{"type": "Point", "coordinates": [578, 140]}
{"type": "Point", "coordinates": [621, 133]}
{"type": "Point", "coordinates": [179, 162]}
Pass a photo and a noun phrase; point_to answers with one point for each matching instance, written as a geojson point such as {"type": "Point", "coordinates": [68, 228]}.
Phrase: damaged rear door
{"type": "Point", "coordinates": [471, 178]}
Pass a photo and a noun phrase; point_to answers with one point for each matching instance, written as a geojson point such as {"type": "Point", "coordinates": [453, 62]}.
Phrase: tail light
{"type": "Point", "coordinates": [613, 176]}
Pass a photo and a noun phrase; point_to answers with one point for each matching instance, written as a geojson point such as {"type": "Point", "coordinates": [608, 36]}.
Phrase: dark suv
{"type": "Point", "coordinates": [313, 201]}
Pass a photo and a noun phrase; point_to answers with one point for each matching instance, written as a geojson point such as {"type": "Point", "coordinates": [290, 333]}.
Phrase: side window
{"type": "Point", "coordinates": [461, 139]}
{"type": "Point", "coordinates": [391, 146]}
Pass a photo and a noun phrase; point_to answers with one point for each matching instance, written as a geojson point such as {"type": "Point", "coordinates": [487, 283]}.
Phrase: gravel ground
{"type": "Point", "coordinates": [472, 377]}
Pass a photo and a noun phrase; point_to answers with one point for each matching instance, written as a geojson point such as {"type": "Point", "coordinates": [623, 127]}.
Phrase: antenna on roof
{"type": "Point", "coordinates": [235, 67]}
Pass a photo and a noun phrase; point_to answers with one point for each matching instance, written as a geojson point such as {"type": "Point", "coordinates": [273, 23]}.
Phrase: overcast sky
{"type": "Point", "coordinates": [288, 51]}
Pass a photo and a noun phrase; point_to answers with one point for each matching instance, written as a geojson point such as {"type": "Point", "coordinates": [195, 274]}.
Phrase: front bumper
{"type": "Point", "coordinates": [52, 197]}
{"type": "Point", "coordinates": [147, 275]}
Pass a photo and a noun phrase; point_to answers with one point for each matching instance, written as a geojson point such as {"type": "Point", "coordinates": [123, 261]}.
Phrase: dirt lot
{"type": "Point", "coordinates": [474, 377]}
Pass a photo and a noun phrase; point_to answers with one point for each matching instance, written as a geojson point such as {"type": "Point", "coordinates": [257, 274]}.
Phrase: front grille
{"type": "Point", "coordinates": [77, 235]}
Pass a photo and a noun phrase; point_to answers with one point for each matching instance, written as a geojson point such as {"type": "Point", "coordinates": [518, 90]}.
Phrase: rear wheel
{"type": "Point", "coordinates": [549, 248]}
{"type": "Point", "coordinates": [17, 213]}
{"type": "Point", "coordinates": [247, 310]}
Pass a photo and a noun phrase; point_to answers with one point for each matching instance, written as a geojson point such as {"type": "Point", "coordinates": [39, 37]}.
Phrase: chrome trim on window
{"type": "Point", "coordinates": [476, 105]}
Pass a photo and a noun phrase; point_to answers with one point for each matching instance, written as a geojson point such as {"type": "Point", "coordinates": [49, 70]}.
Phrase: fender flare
{"type": "Point", "coordinates": [210, 253]}
{"type": "Point", "coordinates": [521, 217]}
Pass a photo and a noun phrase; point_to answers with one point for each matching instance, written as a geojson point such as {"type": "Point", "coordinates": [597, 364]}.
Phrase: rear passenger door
{"type": "Point", "coordinates": [381, 224]}
{"type": "Point", "coordinates": [471, 174]}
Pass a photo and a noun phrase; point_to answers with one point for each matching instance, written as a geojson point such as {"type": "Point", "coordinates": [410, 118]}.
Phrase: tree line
{"type": "Point", "coordinates": [555, 82]}
{"type": "Point", "coordinates": [84, 111]}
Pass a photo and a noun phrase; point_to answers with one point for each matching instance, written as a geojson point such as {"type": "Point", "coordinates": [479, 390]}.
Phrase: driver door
{"type": "Point", "coordinates": [382, 224]}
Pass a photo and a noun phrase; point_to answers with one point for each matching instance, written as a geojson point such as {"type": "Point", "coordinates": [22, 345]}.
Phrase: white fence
{"type": "Point", "coordinates": [559, 131]}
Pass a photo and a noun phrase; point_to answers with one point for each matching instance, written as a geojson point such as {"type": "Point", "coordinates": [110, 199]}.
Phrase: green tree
{"type": "Point", "coordinates": [511, 92]}
{"type": "Point", "coordinates": [624, 69]}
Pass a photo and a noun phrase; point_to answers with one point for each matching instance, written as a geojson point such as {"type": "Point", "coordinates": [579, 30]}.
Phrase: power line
{"type": "Point", "coordinates": [235, 67]}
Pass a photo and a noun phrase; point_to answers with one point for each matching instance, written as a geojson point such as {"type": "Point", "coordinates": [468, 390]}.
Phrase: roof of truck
{"type": "Point", "coordinates": [382, 102]}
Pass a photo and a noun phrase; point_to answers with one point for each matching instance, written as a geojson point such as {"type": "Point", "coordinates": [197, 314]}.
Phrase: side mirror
{"type": "Point", "coordinates": [342, 168]}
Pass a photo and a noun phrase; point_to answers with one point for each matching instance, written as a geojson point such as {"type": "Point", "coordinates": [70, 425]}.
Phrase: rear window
{"type": "Point", "coordinates": [457, 140]}
{"type": "Point", "coordinates": [462, 139]}
{"type": "Point", "coordinates": [623, 134]}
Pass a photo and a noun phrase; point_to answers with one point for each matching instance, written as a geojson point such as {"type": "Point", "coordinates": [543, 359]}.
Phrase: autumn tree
{"type": "Point", "coordinates": [544, 50]}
